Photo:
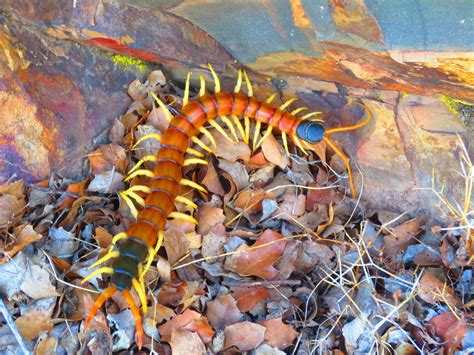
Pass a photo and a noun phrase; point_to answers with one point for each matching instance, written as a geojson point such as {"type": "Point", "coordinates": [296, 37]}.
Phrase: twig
{"type": "Point", "coordinates": [12, 326]}
{"type": "Point", "coordinates": [262, 283]}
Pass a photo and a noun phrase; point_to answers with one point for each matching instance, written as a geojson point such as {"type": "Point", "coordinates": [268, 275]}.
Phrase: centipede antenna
{"type": "Point", "coordinates": [271, 98]}
{"type": "Point", "coordinates": [249, 85]}
{"type": "Point", "coordinates": [186, 201]}
{"type": "Point", "coordinates": [136, 316]}
{"type": "Point", "coordinates": [192, 161]}
{"type": "Point", "coordinates": [256, 133]}
{"type": "Point", "coordinates": [202, 89]}
{"type": "Point", "coordinates": [236, 120]}
{"type": "Point", "coordinates": [101, 270]}
{"type": "Point", "coordinates": [151, 254]}
{"type": "Point", "coordinates": [165, 109]}
{"type": "Point", "coordinates": [238, 84]}
{"type": "Point", "coordinates": [311, 114]}
{"type": "Point", "coordinates": [217, 87]}
{"type": "Point", "coordinates": [299, 145]}
{"type": "Point", "coordinates": [208, 134]}
{"type": "Point", "coordinates": [265, 135]}
{"type": "Point", "coordinates": [186, 89]}
{"type": "Point", "coordinates": [353, 127]}
{"type": "Point", "coordinates": [134, 196]}
{"type": "Point", "coordinates": [285, 142]}
{"type": "Point", "coordinates": [345, 159]}
{"type": "Point", "coordinates": [200, 143]}
{"type": "Point", "coordinates": [194, 152]}
{"type": "Point", "coordinates": [131, 206]}
{"type": "Point", "coordinates": [104, 296]}
{"type": "Point", "coordinates": [186, 182]}
{"type": "Point", "coordinates": [110, 255]}
{"type": "Point", "coordinates": [247, 129]}
{"type": "Point", "coordinates": [231, 127]}
{"type": "Point", "coordinates": [154, 136]}
{"type": "Point", "coordinates": [298, 110]}
{"type": "Point", "coordinates": [139, 172]}
{"type": "Point", "coordinates": [287, 103]}
{"type": "Point", "coordinates": [141, 293]}
{"type": "Point", "coordinates": [183, 216]}
{"type": "Point", "coordinates": [149, 157]}
{"type": "Point", "coordinates": [219, 129]}
{"type": "Point", "coordinates": [119, 236]}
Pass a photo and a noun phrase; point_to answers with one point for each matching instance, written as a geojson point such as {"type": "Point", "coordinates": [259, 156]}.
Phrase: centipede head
{"type": "Point", "coordinates": [311, 131]}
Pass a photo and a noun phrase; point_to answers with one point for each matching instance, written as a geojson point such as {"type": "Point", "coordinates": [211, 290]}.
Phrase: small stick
{"type": "Point", "coordinates": [262, 283]}
{"type": "Point", "coordinates": [13, 328]}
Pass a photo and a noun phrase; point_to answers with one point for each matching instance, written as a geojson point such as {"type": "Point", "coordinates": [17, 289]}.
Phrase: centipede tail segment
{"type": "Point", "coordinates": [234, 110]}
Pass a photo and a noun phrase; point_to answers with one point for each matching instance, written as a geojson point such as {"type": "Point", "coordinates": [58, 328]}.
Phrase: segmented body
{"type": "Point", "coordinates": [142, 239]}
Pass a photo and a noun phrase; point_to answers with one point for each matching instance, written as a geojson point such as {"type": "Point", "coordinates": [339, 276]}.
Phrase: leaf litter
{"type": "Point", "coordinates": [282, 260]}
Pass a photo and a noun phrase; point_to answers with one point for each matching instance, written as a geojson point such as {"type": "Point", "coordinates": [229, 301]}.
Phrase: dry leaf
{"type": "Point", "coordinates": [12, 203]}
{"type": "Point", "coordinates": [185, 343]}
{"type": "Point", "coordinates": [402, 236]}
{"type": "Point", "coordinates": [432, 290]}
{"type": "Point", "coordinates": [189, 320]}
{"type": "Point", "coordinates": [311, 253]}
{"type": "Point", "coordinates": [36, 283]}
{"type": "Point", "coordinates": [291, 207]}
{"type": "Point", "coordinates": [278, 334]}
{"type": "Point", "coordinates": [176, 244]}
{"type": "Point", "coordinates": [37, 319]}
{"type": "Point", "coordinates": [259, 258]}
{"type": "Point", "coordinates": [250, 201]}
{"type": "Point", "coordinates": [108, 157]}
{"type": "Point", "coordinates": [107, 182]}
{"type": "Point", "coordinates": [77, 189]}
{"type": "Point", "coordinates": [213, 242]}
{"type": "Point", "coordinates": [208, 216]}
{"type": "Point", "coordinates": [274, 152]}
{"type": "Point", "coordinates": [231, 151]}
{"type": "Point", "coordinates": [450, 329]}
{"type": "Point", "coordinates": [212, 181]}
{"type": "Point", "coordinates": [245, 335]}
{"type": "Point", "coordinates": [319, 195]}
{"type": "Point", "coordinates": [248, 297]}
{"type": "Point", "coordinates": [223, 311]}
{"type": "Point", "coordinates": [103, 237]}
{"type": "Point", "coordinates": [25, 235]}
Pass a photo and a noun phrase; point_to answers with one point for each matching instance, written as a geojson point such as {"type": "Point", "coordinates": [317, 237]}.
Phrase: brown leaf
{"type": "Point", "coordinates": [189, 320]}
{"type": "Point", "coordinates": [258, 259]}
{"type": "Point", "coordinates": [291, 207]}
{"type": "Point", "coordinates": [208, 216]}
{"type": "Point", "coordinates": [223, 311]}
{"type": "Point", "coordinates": [12, 203]}
{"type": "Point", "coordinates": [160, 313]}
{"type": "Point", "coordinates": [311, 253]}
{"type": "Point", "coordinates": [185, 343]}
{"type": "Point", "coordinates": [35, 321]}
{"type": "Point", "coordinates": [108, 157]}
{"type": "Point", "coordinates": [432, 290]}
{"type": "Point", "coordinates": [211, 180]}
{"type": "Point", "coordinates": [248, 297]}
{"type": "Point", "coordinates": [274, 152]}
{"type": "Point", "coordinates": [250, 201]}
{"type": "Point", "coordinates": [36, 283]}
{"type": "Point", "coordinates": [25, 235]}
{"type": "Point", "coordinates": [231, 151]}
{"type": "Point", "coordinates": [78, 189]}
{"type": "Point", "coordinates": [245, 335]}
{"type": "Point", "coordinates": [103, 237]}
{"type": "Point", "coordinates": [176, 244]}
{"type": "Point", "coordinates": [278, 334]}
{"type": "Point", "coordinates": [402, 236]}
{"type": "Point", "coordinates": [319, 195]}
{"type": "Point", "coordinates": [107, 182]}
{"type": "Point", "coordinates": [257, 160]}
{"type": "Point", "coordinates": [450, 329]}
{"type": "Point", "coordinates": [213, 242]}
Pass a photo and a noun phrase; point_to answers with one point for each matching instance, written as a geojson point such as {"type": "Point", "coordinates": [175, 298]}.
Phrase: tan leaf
{"type": "Point", "coordinates": [36, 283]}
{"type": "Point", "coordinates": [35, 321]}
{"type": "Point", "coordinates": [189, 320]}
{"type": "Point", "coordinates": [25, 235]}
{"type": "Point", "coordinates": [291, 207]}
{"type": "Point", "coordinates": [274, 152]}
{"type": "Point", "coordinates": [278, 334]}
{"type": "Point", "coordinates": [401, 237]}
{"type": "Point", "coordinates": [12, 203]}
{"type": "Point", "coordinates": [245, 335]}
{"type": "Point", "coordinates": [108, 157]}
{"type": "Point", "coordinates": [250, 201]}
{"type": "Point", "coordinates": [258, 259]}
{"type": "Point", "coordinates": [231, 151]}
{"type": "Point", "coordinates": [223, 311]}
{"type": "Point", "coordinates": [208, 216]}
{"type": "Point", "coordinates": [185, 343]}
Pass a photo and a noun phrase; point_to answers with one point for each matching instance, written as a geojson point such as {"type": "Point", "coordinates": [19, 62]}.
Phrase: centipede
{"type": "Point", "coordinates": [132, 252]}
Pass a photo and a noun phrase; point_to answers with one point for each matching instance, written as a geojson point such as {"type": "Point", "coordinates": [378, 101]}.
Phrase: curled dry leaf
{"type": "Point", "coordinates": [259, 258]}
{"type": "Point", "coordinates": [190, 321]}
{"type": "Point", "coordinates": [278, 334]}
{"type": "Point", "coordinates": [211, 180]}
{"type": "Point", "coordinates": [103, 237]}
{"type": "Point", "coordinates": [223, 311]}
{"type": "Point", "coordinates": [78, 189]}
{"type": "Point", "coordinates": [432, 290]}
{"type": "Point", "coordinates": [184, 342]}
{"type": "Point", "coordinates": [12, 203]}
{"type": "Point", "coordinates": [245, 335]}
{"type": "Point", "coordinates": [450, 329]}
{"type": "Point", "coordinates": [25, 235]}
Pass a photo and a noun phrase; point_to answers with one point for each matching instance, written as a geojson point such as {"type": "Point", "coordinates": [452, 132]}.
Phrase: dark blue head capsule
{"type": "Point", "coordinates": [310, 131]}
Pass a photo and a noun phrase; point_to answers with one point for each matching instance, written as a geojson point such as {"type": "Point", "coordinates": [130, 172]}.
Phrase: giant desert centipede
{"type": "Point", "coordinates": [140, 243]}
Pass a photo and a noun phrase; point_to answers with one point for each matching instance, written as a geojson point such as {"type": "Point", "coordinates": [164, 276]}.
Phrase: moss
{"type": "Point", "coordinates": [126, 62]}
{"type": "Point", "coordinates": [455, 106]}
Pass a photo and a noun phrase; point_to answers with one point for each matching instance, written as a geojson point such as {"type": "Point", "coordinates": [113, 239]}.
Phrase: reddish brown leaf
{"type": "Point", "coordinates": [208, 216]}
{"type": "Point", "coordinates": [402, 236]}
{"type": "Point", "coordinates": [108, 157]}
{"type": "Point", "coordinates": [223, 311]}
{"type": "Point", "coordinates": [212, 181]}
{"type": "Point", "coordinates": [248, 297]}
{"type": "Point", "coordinates": [319, 195]}
{"type": "Point", "coordinates": [250, 201]}
{"type": "Point", "coordinates": [76, 189]}
{"type": "Point", "coordinates": [184, 342]}
{"type": "Point", "coordinates": [258, 259]}
{"type": "Point", "coordinates": [450, 329]}
{"type": "Point", "coordinates": [189, 320]}
{"type": "Point", "coordinates": [432, 290]}
{"type": "Point", "coordinates": [102, 237]}
{"type": "Point", "coordinates": [257, 160]}
{"type": "Point", "coordinates": [278, 334]}
{"type": "Point", "coordinates": [245, 335]}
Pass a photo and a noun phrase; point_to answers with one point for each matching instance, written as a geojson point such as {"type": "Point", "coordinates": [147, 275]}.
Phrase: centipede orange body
{"type": "Point", "coordinates": [142, 239]}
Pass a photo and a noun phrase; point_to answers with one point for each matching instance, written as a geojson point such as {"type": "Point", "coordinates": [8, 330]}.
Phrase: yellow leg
{"type": "Point", "coordinates": [311, 114]}
{"type": "Point", "coordinates": [131, 206]}
{"type": "Point", "coordinates": [247, 129]}
{"type": "Point", "coordinates": [110, 255]}
{"type": "Point", "coordinates": [167, 112]}
{"type": "Point", "coordinates": [219, 129]}
{"type": "Point", "coordinates": [200, 143]}
{"type": "Point", "coordinates": [217, 87]}
{"type": "Point", "coordinates": [194, 152]}
{"type": "Point", "coordinates": [298, 110]}
{"type": "Point", "coordinates": [231, 127]}
{"type": "Point", "coordinates": [186, 201]}
{"type": "Point", "coordinates": [102, 270]}
{"type": "Point", "coordinates": [238, 85]}
{"type": "Point", "coordinates": [287, 103]}
{"type": "Point", "coordinates": [256, 133]}
{"type": "Point", "coordinates": [299, 145]}
{"type": "Point", "coordinates": [192, 161]}
{"type": "Point", "coordinates": [141, 188]}
{"type": "Point", "coordinates": [140, 172]}
{"type": "Point", "coordinates": [271, 98]}
{"type": "Point", "coordinates": [186, 182]}
{"type": "Point", "coordinates": [154, 136]}
{"type": "Point", "coordinates": [119, 236]}
{"type": "Point", "coordinates": [345, 159]}
{"type": "Point", "coordinates": [151, 254]}
{"type": "Point", "coordinates": [208, 134]}
{"type": "Point", "coordinates": [249, 85]}
{"type": "Point", "coordinates": [265, 135]}
{"type": "Point", "coordinates": [140, 289]}
{"type": "Point", "coordinates": [285, 142]}
{"type": "Point", "coordinates": [202, 89]}
{"type": "Point", "coordinates": [236, 120]}
{"type": "Point", "coordinates": [183, 216]}
{"type": "Point", "coordinates": [186, 89]}
{"type": "Point", "coordinates": [138, 199]}
{"type": "Point", "coordinates": [146, 158]}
